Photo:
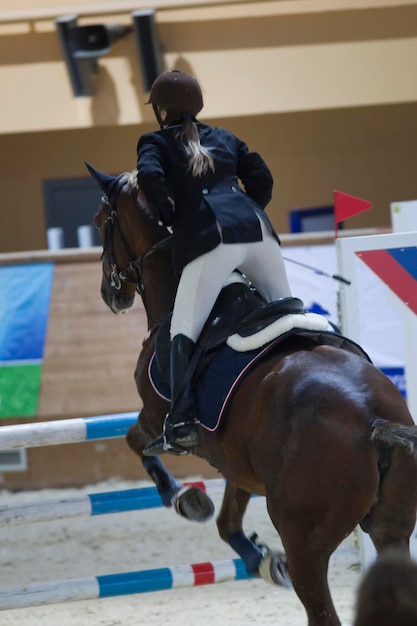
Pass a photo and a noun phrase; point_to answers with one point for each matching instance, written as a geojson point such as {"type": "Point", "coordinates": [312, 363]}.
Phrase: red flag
{"type": "Point", "coordinates": [346, 206]}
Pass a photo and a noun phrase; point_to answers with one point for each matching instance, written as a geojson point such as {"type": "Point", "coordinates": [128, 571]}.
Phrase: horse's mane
{"type": "Point", "coordinates": [130, 179]}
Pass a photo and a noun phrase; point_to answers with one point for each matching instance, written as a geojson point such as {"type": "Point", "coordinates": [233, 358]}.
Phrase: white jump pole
{"type": "Point", "coordinates": [97, 587]}
{"type": "Point", "coordinates": [56, 432]}
{"type": "Point", "coordinates": [91, 505]}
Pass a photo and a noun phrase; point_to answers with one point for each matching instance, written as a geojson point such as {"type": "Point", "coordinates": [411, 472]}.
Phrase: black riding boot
{"type": "Point", "coordinates": [179, 431]}
{"type": "Point", "coordinates": [180, 426]}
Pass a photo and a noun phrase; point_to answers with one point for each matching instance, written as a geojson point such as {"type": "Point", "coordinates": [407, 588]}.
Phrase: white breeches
{"type": "Point", "coordinates": [202, 280]}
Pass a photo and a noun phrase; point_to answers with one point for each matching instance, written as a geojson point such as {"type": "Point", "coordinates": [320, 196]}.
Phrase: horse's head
{"type": "Point", "coordinates": [127, 234]}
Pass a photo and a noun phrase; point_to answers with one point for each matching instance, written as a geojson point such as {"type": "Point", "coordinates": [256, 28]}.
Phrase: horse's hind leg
{"type": "Point", "coordinates": [189, 502]}
{"type": "Point", "coordinates": [391, 521]}
{"type": "Point", "coordinates": [308, 557]}
{"type": "Point", "coordinates": [229, 525]}
{"type": "Point", "coordinates": [312, 522]}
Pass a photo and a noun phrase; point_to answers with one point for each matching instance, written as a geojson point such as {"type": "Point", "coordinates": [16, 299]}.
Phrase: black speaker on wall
{"type": "Point", "coordinates": [81, 48]}
{"type": "Point", "coordinates": [148, 46]}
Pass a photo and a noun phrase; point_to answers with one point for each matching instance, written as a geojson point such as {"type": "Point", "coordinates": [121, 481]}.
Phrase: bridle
{"type": "Point", "coordinates": [119, 276]}
{"type": "Point", "coordinates": [135, 265]}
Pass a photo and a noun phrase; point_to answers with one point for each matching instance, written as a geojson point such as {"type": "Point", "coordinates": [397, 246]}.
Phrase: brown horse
{"type": "Point", "coordinates": [318, 430]}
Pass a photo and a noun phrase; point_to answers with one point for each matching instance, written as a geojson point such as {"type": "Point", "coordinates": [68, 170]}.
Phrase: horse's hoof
{"type": "Point", "coordinates": [193, 504]}
{"type": "Point", "coordinates": [273, 569]}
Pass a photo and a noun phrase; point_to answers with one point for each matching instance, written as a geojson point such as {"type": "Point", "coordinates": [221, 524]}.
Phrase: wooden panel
{"type": "Point", "coordinates": [90, 354]}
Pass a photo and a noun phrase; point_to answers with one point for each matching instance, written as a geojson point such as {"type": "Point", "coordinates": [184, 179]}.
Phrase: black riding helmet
{"type": "Point", "coordinates": [178, 93]}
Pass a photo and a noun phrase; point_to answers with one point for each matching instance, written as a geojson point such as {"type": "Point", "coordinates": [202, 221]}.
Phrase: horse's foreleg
{"type": "Point", "coordinates": [229, 525]}
{"type": "Point", "coordinates": [189, 502]}
{"type": "Point", "coordinates": [166, 484]}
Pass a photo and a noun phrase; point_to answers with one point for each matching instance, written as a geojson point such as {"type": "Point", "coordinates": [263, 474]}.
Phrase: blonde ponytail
{"type": "Point", "coordinates": [199, 158]}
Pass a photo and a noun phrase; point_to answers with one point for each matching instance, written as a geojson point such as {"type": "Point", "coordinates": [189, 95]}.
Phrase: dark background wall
{"type": "Point", "coordinates": [369, 152]}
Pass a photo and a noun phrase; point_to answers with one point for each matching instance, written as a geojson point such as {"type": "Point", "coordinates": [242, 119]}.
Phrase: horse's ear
{"type": "Point", "coordinates": [111, 185]}
{"type": "Point", "coordinates": [104, 180]}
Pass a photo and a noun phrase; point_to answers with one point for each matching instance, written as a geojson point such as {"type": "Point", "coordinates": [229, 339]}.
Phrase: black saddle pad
{"type": "Point", "coordinates": [217, 383]}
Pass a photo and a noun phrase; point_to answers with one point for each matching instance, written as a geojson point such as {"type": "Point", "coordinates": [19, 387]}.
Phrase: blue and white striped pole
{"type": "Point", "coordinates": [90, 505]}
{"type": "Point", "coordinates": [66, 431]}
{"type": "Point", "coordinates": [97, 587]}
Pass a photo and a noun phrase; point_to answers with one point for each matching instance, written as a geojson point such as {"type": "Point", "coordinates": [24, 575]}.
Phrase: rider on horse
{"type": "Point", "coordinates": [190, 173]}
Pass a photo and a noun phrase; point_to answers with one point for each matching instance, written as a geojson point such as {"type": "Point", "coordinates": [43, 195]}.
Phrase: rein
{"type": "Point", "coordinates": [117, 275]}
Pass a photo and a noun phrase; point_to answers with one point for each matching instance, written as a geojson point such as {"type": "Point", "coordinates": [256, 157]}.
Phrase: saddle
{"type": "Point", "coordinates": [239, 308]}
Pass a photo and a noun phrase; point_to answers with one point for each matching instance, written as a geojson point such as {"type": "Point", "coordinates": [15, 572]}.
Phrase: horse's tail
{"type": "Point", "coordinates": [390, 435]}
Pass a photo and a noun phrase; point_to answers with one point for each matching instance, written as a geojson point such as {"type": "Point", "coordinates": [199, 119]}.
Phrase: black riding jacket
{"type": "Point", "coordinates": [211, 208]}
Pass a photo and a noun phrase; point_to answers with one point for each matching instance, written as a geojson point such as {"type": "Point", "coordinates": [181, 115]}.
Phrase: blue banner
{"type": "Point", "coordinates": [25, 292]}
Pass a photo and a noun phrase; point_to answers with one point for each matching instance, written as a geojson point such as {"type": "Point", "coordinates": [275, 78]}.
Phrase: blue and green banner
{"type": "Point", "coordinates": [25, 293]}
